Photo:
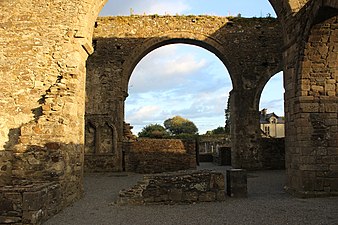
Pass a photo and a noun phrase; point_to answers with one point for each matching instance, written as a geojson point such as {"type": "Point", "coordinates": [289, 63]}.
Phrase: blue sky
{"type": "Point", "coordinates": [187, 80]}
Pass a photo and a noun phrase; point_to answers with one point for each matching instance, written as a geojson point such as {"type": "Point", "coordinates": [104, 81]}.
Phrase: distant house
{"type": "Point", "coordinates": [272, 126]}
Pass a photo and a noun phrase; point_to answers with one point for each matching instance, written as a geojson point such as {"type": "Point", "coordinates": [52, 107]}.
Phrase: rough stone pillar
{"type": "Point", "coordinates": [244, 130]}
{"type": "Point", "coordinates": [312, 112]}
{"type": "Point", "coordinates": [43, 49]}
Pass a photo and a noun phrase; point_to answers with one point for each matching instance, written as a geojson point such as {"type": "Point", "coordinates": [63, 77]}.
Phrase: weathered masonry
{"type": "Point", "coordinates": [44, 46]}
{"type": "Point", "coordinates": [250, 48]}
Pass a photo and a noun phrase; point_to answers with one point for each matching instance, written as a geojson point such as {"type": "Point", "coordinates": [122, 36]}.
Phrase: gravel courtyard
{"type": "Point", "coordinates": [267, 204]}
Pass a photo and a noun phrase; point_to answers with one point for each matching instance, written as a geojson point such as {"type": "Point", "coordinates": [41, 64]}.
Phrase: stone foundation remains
{"type": "Point", "coordinates": [30, 203]}
{"type": "Point", "coordinates": [173, 188]}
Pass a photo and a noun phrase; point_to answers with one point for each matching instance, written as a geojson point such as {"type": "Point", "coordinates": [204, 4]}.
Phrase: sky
{"type": "Point", "coordinates": [187, 80]}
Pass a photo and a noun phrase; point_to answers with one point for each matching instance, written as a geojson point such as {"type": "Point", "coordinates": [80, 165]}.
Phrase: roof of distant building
{"type": "Point", "coordinates": [265, 118]}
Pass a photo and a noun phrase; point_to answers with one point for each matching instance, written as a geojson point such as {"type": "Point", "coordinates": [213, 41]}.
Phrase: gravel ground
{"type": "Point", "coordinates": [266, 204]}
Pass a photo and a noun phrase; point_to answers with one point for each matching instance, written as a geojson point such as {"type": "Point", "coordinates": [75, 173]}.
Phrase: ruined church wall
{"type": "Point", "coordinates": [121, 42]}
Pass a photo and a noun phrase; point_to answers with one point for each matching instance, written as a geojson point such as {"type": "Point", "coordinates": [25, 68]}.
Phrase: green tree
{"type": "Point", "coordinates": [153, 131]}
{"type": "Point", "coordinates": [179, 125]}
{"type": "Point", "coordinates": [219, 130]}
{"type": "Point", "coordinates": [227, 117]}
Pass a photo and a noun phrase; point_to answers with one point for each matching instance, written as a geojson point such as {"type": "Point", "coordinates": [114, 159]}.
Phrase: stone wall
{"type": "Point", "coordinates": [29, 203]}
{"type": "Point", "coordinates": [43, 49]}
{"type": "Point", "coordinates": [273, 153]}
{"type": "Point", "coordinates": [159, 155]}
{"type": "Point", "coordinates": [102, 151]}
{"type": "Point", "coordinates": [311, 95]}
{"type": "Point", "coordinates": [176, 188]}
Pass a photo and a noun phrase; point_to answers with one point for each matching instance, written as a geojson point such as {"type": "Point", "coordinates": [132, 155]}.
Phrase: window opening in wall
{"type": "Point", "coordinates": [272, 107]}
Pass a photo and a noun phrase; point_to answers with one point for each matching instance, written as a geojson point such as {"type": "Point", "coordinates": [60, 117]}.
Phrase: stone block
{"type": "Point", "coordinates": [34, 200]}
{"type": "Point", "coordinates": [33, 217]}
{"type": "Point", "coordinates": [175, 195]}
{"type": "Point", "coordinates": [217, 181]}
{"type": "Point", "coordinates": [236, 183]}
{"type": "Point", "coordinates": [9, 220]}
{"type": "Point", "coordinates": [207, 197]}
{"type": "Point", "coordinates": [190, 196]}
{"type": "Point", "coordinates": [220, 195]}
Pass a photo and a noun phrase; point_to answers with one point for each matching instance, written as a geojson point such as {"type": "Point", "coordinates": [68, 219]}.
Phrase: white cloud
{"type": "Point", "coordinates": [144, 113]}
{"type": "Point", "coordinates": [165, 68]}
{"type": "Point", "coordinates": [205, 109]}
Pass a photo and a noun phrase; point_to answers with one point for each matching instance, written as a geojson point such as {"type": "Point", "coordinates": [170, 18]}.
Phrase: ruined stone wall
{"type": "Point", "coordinates": [101, 147]}
{"type": "Point", "coordinates": [273, 153]}
{"type": "Point", "coordinates": [43, 48]}
{"type": "Point", "coordinates": [121, 42]}
{"type": "Point", "coordinates": [311, 100]}
{"type": "Point", "coordinates": [159, 155]}
{"type": "Point", "coordinates": [30, 203]}
{"type": "Point", "coordinates": [176, 188]}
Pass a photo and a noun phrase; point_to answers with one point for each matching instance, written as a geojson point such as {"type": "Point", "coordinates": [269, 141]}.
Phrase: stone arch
{"type": "Point", "coordinates": [261, 85]}
{"type": "Point", "coordinates": [108, 142]}
{"type": "Point", "coordinates": [180, 37]}
{"type": "Point", "coordinates": [249, 64]}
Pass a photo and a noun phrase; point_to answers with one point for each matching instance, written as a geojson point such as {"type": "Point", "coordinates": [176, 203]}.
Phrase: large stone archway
{"type": "Point", "coordinates": [43, 49]}
{"type": "Point", "coordinates": [249, 48]}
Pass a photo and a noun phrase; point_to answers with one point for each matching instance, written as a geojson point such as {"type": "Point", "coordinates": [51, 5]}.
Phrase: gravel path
{"type": "Point", "coordinates": [266, 204]}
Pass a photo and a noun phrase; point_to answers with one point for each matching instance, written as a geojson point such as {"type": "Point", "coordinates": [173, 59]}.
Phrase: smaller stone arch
{"type": "Point", "coordinates": [107, 139]}
{"type": "Point", "coordinates": [90, 138]}
{"type": "Point", "coordinates": [263, 82]}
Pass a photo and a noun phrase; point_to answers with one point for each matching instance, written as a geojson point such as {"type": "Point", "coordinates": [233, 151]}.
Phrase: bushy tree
{"type": "Point", "coordinates": [227, 117]}
{"type": "Point", "coordinates": [179, 125]}
{"type": "Point", "coordinates": [153, 131]}
{"type": "Point", "coordinates": [219, 130]}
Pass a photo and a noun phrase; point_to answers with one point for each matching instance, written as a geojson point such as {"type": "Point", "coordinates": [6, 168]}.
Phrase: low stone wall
{"type": "Point", "coordinates": [178, 187]}
{"type": "Point", "coordinates": [100, 163]}
{"type": "Point", "coordinates": [159, 155]}
{"type": "Point", "coordinates": [29, 204]}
